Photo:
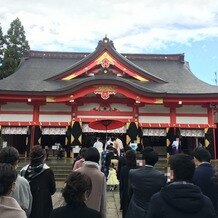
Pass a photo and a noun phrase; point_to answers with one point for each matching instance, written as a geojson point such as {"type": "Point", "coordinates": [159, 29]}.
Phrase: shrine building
{"type": "Point", "coordinates": [70, 97]}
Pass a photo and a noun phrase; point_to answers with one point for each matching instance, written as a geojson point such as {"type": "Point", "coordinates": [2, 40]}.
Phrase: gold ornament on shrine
{"type": "Point", "coordinates": [105, 91]}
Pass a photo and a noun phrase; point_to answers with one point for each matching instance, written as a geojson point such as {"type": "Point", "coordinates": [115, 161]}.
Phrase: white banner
{"type": "Point", "coordinates": [53, 131]}
{"type": "Point", "coordinates": [192, 132]}
{"type": "Point", "coordinates": [14, 130]}
{"type": "Point", "coordinates": [154, 132]}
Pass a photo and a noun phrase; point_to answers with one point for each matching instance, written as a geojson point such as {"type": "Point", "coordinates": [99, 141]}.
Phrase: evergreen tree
{"type": "Point", "coordinates": [16, 47]}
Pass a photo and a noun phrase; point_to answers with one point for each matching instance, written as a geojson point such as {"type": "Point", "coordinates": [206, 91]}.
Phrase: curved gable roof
{"type": "Point", "coordinates": [106, 51]}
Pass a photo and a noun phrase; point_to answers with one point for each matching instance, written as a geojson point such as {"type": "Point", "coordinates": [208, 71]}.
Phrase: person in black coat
{"type": "Point", "coordinates": [106, 157]}
{"type": "Point", "coordinates": [77, 189]}
{"type": "Point", "coordinates": [122, 161]}
{"type": "Point", "coordinates": [144, 182]}
{"type": "Point", "coordinates": [204, 173]}
{"type": "Point", "coordinates": [125, 195]}
{"type": "Point", "coordinates": [42, 183]}
{"type": "Point", "coordinates": [181, 198]}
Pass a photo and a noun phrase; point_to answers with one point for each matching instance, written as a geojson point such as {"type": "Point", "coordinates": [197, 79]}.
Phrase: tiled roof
{"type": "Point", "coordinates": [34, 71]}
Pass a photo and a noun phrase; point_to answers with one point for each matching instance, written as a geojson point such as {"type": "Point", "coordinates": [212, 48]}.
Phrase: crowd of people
{"type": "Point", "coordinates": [191, 191]}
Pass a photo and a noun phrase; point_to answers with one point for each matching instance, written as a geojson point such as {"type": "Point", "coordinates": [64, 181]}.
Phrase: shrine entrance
{"type": "Point", "coordinates": [16, 137]}
{"type": "Point", "coordinates": [103, 129]}
{"type": "Point", "coordinates": [191, 139]}
{"type": "Point", "coordinates": [155, 138]}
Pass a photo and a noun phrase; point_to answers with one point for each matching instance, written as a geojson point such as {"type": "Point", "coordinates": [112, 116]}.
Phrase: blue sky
{"type": "Point", "coordinates": [201, 55]}
{"type": "Point", "coordinates": [135, 26]}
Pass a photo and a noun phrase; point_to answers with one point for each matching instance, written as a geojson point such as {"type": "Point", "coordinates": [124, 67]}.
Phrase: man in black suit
{"type": "Point", "coordinates": [144, 182]}
{"type": "Point", "coordinates": [204, 173]}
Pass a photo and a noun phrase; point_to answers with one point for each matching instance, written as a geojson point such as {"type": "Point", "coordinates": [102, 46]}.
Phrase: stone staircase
{"type": "Point", "coordinates": [63, 167]}
{"type": "Point", "coordinates": [161, 165]}
{"type": "Point", "coordinates": [61, 171]}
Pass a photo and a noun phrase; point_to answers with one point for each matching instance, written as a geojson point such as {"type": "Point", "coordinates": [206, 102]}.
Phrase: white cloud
{"type": "Point", "coordinates": [134, 26]}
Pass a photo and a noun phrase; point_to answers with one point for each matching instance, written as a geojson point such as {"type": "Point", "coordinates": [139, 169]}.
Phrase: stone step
{"type": "Point", "coordinates": [61, 179]}
{"type": "Point", "coordinates": [62, 168]}
{"type": "Point", "coordinates": [58, 176]}
{"type": "Point", "coordinates": [162, 169]}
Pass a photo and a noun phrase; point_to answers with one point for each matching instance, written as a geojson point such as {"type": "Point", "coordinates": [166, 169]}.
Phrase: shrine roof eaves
{"type": "Point", "coordinates": [81, 55]}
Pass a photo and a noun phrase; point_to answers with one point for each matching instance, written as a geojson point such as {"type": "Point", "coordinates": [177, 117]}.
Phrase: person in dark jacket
{"type": "Point", "coordinates": [77, 189]}
{"type": "Point", "coordinates": [42, 183]}
{"type": "Point", "coordinates": [106, 157]}
{"type": "Point", "coordinates": [181, 198]}
{"type": "Point", "coordinates": [125, 195]}
{"type": "Point", "coordinates": [122, 161]}
{"type": "Point", "coordinates": [144, 182]}
{"type": "Point", "coordinates": [204, 173]}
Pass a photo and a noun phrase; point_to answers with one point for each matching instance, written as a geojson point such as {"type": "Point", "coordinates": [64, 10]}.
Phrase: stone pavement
{"type": "Point", "coordinates": [113, 203]}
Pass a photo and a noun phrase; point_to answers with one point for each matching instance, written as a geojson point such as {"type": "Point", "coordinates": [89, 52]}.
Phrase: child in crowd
{"type": "Point", "coordinates": [112, 180]}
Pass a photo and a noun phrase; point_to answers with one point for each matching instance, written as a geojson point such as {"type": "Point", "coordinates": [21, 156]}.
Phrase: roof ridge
{"type": "Point", "coordinates": [79, 55]}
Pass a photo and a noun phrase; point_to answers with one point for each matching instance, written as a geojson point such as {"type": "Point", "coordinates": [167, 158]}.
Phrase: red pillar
{"type": "Point", "coordinates": [172, 116]}
{"type": "Point", "coordinates": [210, 116]}
{"type": "Point", "coordinates": [35, 122]}
{"type": "Point", "coordinates": [32, 137]}
{"type": "Point", "coordinates": [35, 114]}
